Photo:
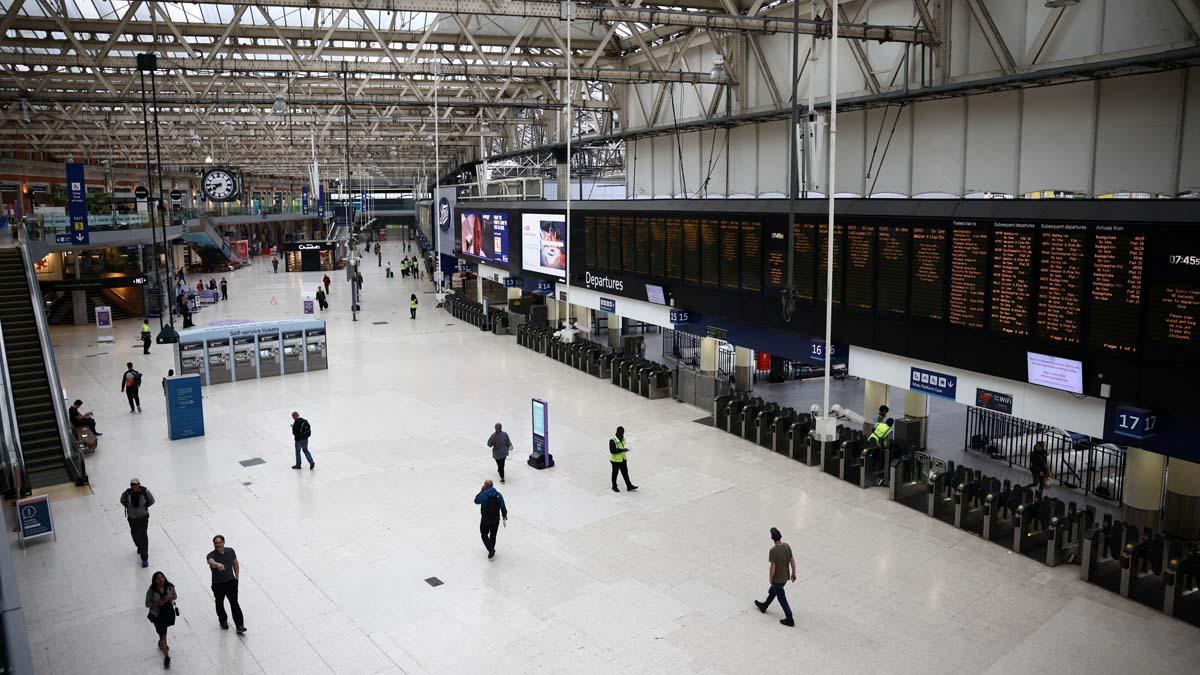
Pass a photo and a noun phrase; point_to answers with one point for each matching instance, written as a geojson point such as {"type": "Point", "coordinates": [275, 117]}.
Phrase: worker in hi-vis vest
{"type": "Point", "coordinates": [616, 456]}
{"type": "Point", "coordinates": [145, 336]}
{"type": "Point", "coordinates": [881, 432]}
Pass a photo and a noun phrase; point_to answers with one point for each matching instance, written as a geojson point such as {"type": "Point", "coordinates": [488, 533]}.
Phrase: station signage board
{"type": "Point", "coordinates": [933, 383]}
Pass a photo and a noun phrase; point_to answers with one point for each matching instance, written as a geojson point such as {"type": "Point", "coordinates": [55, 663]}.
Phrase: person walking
{"type": "Point", "coordinates": [501, 446]}
{"type": "Point", "coordinates": [1039, 466]}
{"type": "Point", "coordinates": [301, 430]}
{"type": "Point", "coordinates": [223, 562]}
{"type": "Point", "coordinates": [160, 601]}
{"type": "Point", "coordinates": [137, 501]}
{"type": "Point", "coordinates": [145, 336]}
{"type": "Point", "coordinates": [275, 265]}
{"type": "Point", "coordinates": [321, 298]}
{"type": "Point", "coordinates": [616, 456]}
{"type": "Point", "coordinates": [325, 280]}
{"type": "Point", "coordinates": [491, 510]}
{"type": "Point", "coordinates": [781, 560]}
{"type": "Point", "coordinates": [131, 382]}
{"type": "Point", "coordinates": [224, 289]}
{"type": "Point", "coordinates": [412, 306]}
{"type": "Point", "coordinates": [358, 279]}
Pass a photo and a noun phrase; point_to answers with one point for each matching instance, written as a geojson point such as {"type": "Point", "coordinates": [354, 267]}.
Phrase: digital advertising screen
{"type": "Point", "coordinates": [484, 235]}
{"type": "Point", "coordinates": [544, 243]}
{"type": "Point", "coordinates": [1055, 372]}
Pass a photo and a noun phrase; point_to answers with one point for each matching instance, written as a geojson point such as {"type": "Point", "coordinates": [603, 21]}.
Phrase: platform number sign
{"type": "Point", "coordinates": [816, 352]}
{"type": "Point", "coordinates": [1136, 423]}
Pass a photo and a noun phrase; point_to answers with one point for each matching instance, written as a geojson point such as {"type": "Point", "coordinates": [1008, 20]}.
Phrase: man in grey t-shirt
{"type": "Point", "coordinates": [225, 572]}
{"type": "Point", "coordinates": [501, 445]}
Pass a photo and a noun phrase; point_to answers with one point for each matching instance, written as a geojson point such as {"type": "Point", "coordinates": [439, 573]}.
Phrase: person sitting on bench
{"type": "Point", "coordinates": [79, 419]}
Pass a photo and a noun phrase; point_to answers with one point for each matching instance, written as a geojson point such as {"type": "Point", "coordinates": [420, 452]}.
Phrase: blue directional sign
{"type": "Point", "coordinates": [62, 238]}
{"type": "Point", "coordinates": [608, 305]}
{"type": "Point", "coordinates": [77, 204]}
{"type": "Point", "coordinates": [933, 383]}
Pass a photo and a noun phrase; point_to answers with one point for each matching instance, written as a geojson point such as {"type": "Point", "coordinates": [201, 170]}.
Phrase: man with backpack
{"type": "Point", "coordinates": [137, 501]}
{"type": "Point", "coordinates": [491, 510]}
{"type": "Point", "coordinates": [301, 430]}
{"type": "Point", "coordinates": [131, 382]}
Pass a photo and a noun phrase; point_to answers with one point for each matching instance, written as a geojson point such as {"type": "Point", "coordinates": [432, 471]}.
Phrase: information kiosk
{"type": "Point", "coordinates": [314, 342]}
{"type": "Point", "coordinates": [270, 362]}
{"type": "Point", "coordinates": [293, 352]}
{"type": "Point", "coordinates": [245, 361]}
{"type": "Point", "coordinates": [220, 366]}
{"type": "Point", "coordinates": [190, 359]}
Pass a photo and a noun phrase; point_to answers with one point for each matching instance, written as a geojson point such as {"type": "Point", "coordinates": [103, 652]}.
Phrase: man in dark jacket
{"type": "Point", "coordinates": [1039, 465]}
{"type": "Point", "coordinates": [131, 382]}
{"type": "Point", "coordinates": [616, 456]}
{"type": "Point", "coordinates": [137, 501]}
{"type": "Point", "coordinates": [491, 510]}
{"type": "Point", "coordinates": [301, 431]}
{"type": "Point", "coordinates": [501, 445]}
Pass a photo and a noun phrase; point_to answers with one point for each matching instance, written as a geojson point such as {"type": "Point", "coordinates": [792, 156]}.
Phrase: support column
{"type": "Point", "coordinates": [708, 355]}
{"type": "Point", "coordinates": [79, 307]}
{"type": "Point", "coordinates": [1142, 488]}
{"type": "Point", "coordinates": [916, 412]}
{"type": "Point", "coordinates": [743, 369]}
{"type": "Point", "coordinates": [614, 331]}
{"type": "Point", "coordinates": [478, 289]}
{"type": "Point", "coordinates": [1181, 518]}
{"type": "Point", "coordinates": [875, 395]}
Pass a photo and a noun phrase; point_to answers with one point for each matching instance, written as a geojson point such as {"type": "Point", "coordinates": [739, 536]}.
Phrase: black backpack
{"type": "Point", "coordinates": [491, 508]}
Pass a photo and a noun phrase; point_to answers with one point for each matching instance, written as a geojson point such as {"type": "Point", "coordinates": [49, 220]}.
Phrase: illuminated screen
{"type": "Point", "coordinates": [544, 243]}
{"type": "Point", "coordinates": [539, 418]}
{"type": "Point", "coordinates": [484, 235]}
{"type": "Point", "coordinates": [1056, 373]}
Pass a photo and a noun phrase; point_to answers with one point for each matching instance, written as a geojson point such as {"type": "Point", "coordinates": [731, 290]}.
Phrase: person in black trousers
{"type": "Point", "coordinates": [491, 510]}
{"type": "Point", "coordinates": [137, 501]}
{"type": "Point", "coordinates": [225, 572]}
{"type": "Point", "coordinates": [131, 382]}
{"type": "Point", "coordinates": [616, 457]}
{"type": "Point", "coordinates": [501, 445]}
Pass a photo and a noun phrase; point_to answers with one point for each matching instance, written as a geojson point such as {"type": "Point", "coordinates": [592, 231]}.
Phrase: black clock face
{"type": "Point", "coordinates": [220, 185]}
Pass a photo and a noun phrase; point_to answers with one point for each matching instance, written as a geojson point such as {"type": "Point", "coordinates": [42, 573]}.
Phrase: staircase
{"type": "Point", "coordinates": [33, 399]}
{"type": "Point", "coordinates": [62, 309]}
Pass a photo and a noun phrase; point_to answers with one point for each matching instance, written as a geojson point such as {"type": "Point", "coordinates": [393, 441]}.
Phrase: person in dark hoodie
{"type": "Point", "coordinates": [137, 501]}
{"type": "Point", "coordinates": [491, 510]}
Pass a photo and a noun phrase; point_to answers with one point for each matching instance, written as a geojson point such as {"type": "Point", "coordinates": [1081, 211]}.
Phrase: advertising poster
{"type": "Point", "coordinates": [484, 235]}
{"type": "Point", "coordinates": [544, 243]}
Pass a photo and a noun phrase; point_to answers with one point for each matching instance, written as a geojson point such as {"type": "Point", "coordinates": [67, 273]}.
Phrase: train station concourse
{"type": "Point", "coordinates": [703, 337]}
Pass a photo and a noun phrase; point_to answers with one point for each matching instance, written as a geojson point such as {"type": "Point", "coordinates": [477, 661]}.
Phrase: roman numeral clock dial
{"type": "Point", "coordinates": [219, 185]}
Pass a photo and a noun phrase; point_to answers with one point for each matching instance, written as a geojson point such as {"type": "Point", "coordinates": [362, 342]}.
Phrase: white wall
{"type": "Point", "coordinates": [1134, 133]}
{"type": "Point", "coordinates": [658, 315]}
{"type": "Point", "coordinates": [1084, 415]}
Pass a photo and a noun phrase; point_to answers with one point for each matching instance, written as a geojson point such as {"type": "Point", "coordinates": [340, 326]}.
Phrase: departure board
{"type": "Point", "coordinates": [601, 239]}
{"type": "Point", "coordinates": [1174, 312]}
{"type": "Point", "coordinates": [658, 248]}
{"type": "Point", "coordinates": [628, 244]}
{"type": "Point", "coordinates": [968, 274]}
{"type": "Point", "coordinates": [775, 256]}
{"type": "Point", "coordinates": [752, 271]}
{"type": "Point", "coordinates": [804, 261]}
{"type": "Point", "coordinates": [860, 266]}
{"type": "Point", "coordinates": [731, 234]}
{"type": "Point", "coordinates": [894, 244]}
{"type": "Point", "coordinates": [710, 252]}
{"type": "Point", "coordinates": [642, 263]}
{"type": "Point", "coordinates": [928, 276]}
{"type": "Point", "coordinates": [823, 257]}
{"type": "Point", "coordinates": [691, 251]}
{"type": "Point", "coordinates": [589, 241]}
{"type": "Point", "coordinates": [1012, 278]}
{"type": "Point", "coordinates": [1118, 280]}
{"type": "Point", "coordinates": [674, 249]}
{"type": "Point", "coordinates": [1061, 272]}
{"type": "Point", "coordinates": [614, 243]}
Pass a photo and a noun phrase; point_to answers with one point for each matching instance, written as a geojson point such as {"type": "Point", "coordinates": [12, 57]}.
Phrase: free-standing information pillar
{"type": "Point", "coordinates": [540, 457]}
{"type": "Point", "coordinates": [1142, 488]}
{"type": "Point", "coordinates": [185, 407]}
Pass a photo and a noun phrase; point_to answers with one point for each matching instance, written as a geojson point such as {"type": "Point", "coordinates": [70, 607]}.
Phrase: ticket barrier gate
{"type": "Point", "coordinates": [500, 322]}
{"type": "Point", "coordinates": [813, 450]}
{"type": "Point", "coordinates": [1181, 597]}
{"type": "Point", "coordinates": [999, 508]}
{"type": "Point", "coordinates": [1066, 534]}
{"type": "Point", "coordinates": [798, 437]}
{"type": "Point", "coordinates": [922, 482]}
{"type": "Point", "coordinates": [748, 418]}
{"type": "Point", "coordinates": [763, 424]}
{"type": "Point", "coordinates": [874, 462]}
{"type": "Point", "coordinates": [655, 381]}
{"type": "Point", "coordinates": [618, 366]}
{"type": "Point", "coordinates": [777, 432]}
{"type": "Point", "coordinates": [1142, 564]}
{"type": "Point", "coordinates": [906, 478]}
{"type": "Point", "coordinates": [1031, 524]}
{"type": "Point", "coordinates": [522, 334]}
{"type": "Point", "coordinates": [722, 407]}
{"type": "Point", "coordinates": [633, 375]}
{"type": "Point", "coordinates": [852, 456]}
{"type": "Point", "coordinates": [603, 365]}
{"type": "Point", "coordinates": [968, 497]}
{"type": "Point", "coordinates": [1100, 562]}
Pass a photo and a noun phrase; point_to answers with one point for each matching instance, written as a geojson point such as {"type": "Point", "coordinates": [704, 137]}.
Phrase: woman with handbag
{"type": "Point", "coordinates": [160, 599]}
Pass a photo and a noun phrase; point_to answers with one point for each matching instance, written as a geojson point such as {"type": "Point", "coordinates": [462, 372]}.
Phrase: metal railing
{"type": "Point", "coordinates": [684, 348]}
{"type": "Point", "coordinates": [12, 459]}
{"type": "Point", "coordinates": [524, 188]}
{"type": "Point", "coordinates": [71, 451]}
{"type": "Point", "coordinates": [1077, 461]}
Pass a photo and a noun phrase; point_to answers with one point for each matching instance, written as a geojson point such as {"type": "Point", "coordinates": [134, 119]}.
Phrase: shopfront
{"type": "Point", "coordinates": [311, 256]}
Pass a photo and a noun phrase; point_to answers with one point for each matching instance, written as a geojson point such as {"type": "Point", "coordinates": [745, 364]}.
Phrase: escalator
{"type": "Point", "coordinates": [49, 455]}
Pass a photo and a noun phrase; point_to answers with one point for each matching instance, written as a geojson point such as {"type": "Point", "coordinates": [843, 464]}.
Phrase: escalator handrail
{"type": "Point", "coordinates": [14, 454]}
{"type": "Point", "coordinates": [70, 451]}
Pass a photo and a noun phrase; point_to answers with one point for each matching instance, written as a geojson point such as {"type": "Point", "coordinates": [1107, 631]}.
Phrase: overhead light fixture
{"type": "Point", "coordinates": [280, 106]}
{"type": "Point", "coordinates": [195, 140]}
{"type": "Point", "coordinates": [718, 69]}
{"type": "Point", "coordinates": [208, 159]}
{"type": "Point", "coordinates": [1059, 4]}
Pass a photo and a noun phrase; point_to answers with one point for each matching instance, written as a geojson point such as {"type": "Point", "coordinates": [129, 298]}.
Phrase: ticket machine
{"type": "Point", "coordinates": [191, 360]}
{"type": "Point", "coordinates": [245, 358]}
{"type": "Point", "coordinates": [314, 341]}
{"type": "Point", "coordinates": [220, 366]}
{"type": "Point", "coordinates": [270, 362]}
{"type": "Point", "coordinates": [293, 352]}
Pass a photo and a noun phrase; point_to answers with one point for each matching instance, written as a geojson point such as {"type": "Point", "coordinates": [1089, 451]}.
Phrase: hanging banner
{"type": "Point", "coordinates": [77, 204]}
{"type": "Point", "coordinates": [362, 201]}
{"type": "Point", "coordinates": [304, 200]}
{"type": "Point", "coordinates": [321, 202]}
